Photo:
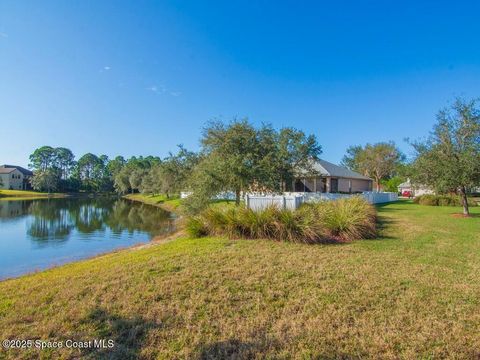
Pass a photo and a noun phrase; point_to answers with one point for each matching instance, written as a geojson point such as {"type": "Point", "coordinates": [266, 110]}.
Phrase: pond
{"type": "Point", "coordinates": [38, 234]}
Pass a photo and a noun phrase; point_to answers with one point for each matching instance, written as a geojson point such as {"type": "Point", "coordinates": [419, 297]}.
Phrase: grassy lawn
{"type": "Point", "coordinates": [171, 204]}
{"type": "Point", "coordinates": [27, 194]}
{"type": "Point", "coordinates": [412, 293]}
{"type": "Point", "coordinates": [174, 203]}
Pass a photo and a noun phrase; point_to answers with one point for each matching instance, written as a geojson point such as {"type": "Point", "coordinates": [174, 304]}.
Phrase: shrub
{"type": "Point", "coordinates": [344, 219]}
{"type": "Point", "coordinates": [195, 227]}
{"type": "Point", "coordinates": [348, 219]}
{"type": "Point", "coordinates": [441, 200]}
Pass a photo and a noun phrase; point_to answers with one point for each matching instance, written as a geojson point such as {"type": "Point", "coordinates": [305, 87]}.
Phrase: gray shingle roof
{"type": "Point", "coordinates": [328, 169]}
{"type": "Point", "coordinates": [5, 169]}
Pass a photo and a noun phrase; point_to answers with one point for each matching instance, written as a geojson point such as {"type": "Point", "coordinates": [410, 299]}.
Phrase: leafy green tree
{"type": "Point", "coordinates": [378, 161]}
{"type": "Point", "coordinates": [46, 180]}
{"type": "Point", "coordinates": [64, 160]}
{"type": "Point", "coordinates": [114, 166]}
{"type": "Point", "coordinates": [135, 178]}
{"type": "Point", "coordinates": [392, 184]}
{"type": "Point", "coordinates": [449, 160]}
{"type": "Point", "coordinates": [121, 181]}
{"type": "Point", "coordinates": [239, 157]}
{"type": "Point", "coordinates": [89, 171]}
{"type": "Point", "coordinates": [173, 172]}
{"type": "Point", "coordinates": [43, 158]}
{"type": "Point", "coordinates": [232, 155]}
{"type": "Point", "coordinates": [295, 155]}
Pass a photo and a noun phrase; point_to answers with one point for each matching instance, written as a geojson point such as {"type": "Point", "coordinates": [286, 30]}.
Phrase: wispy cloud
{"type": "Point", "coordinates": [158, 89]}
{"type": "Point", "coordinates": [105, 68]}
{"type": "Point", "coordinates": [3, 35]}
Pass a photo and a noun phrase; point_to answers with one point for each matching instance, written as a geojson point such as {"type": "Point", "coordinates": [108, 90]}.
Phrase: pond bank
{"type": "Point", "coordinates": [172, 205]}
{"type": "Point", "coordinates": [30, 195]}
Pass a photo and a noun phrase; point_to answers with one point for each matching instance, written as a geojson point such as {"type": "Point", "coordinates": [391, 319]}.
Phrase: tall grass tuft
{"type": "Point", "coordinates": [341, 220]}
{"type": "Point", "coordinates": [347, 219]}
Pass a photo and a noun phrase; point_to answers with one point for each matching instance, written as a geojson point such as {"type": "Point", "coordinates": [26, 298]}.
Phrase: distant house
{"type": "Point", "coordinates": [15, 177]}
{"type": "Point", "coordinates": [409, 189]}
{"type": "Point", "coordinates": [333, 179]}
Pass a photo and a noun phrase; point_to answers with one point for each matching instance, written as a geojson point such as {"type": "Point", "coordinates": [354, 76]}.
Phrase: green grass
{"type": "Point", "coordinates": [171, 204]}
{"type": "Point", "coordinates": [412, 293]}
{"type": "Point", "coordinates": [27, 194]}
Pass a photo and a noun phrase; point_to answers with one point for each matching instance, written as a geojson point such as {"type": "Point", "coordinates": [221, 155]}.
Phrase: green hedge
{"type": "Point", "coordinates": [340, 220]}
{"type": "Point", "coordinates": [441, 200]}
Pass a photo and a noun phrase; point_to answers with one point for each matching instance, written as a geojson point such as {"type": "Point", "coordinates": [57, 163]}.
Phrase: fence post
{"type": "Point", "coordinates": [284, 202]}
{"type": "Point", "coordinates": [247, 200]}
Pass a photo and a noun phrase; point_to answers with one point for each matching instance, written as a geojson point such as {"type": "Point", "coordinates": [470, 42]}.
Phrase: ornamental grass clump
{"type": "Point", "coordinates": [347, 219]}
{"type": "Point", "coordinates": [341, 220]}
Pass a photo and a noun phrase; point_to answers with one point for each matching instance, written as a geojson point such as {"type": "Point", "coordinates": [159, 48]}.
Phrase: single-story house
{"type": "Point", "coordinates": [408, 189]}
{"type": "Point", "coordinates": [333, 179]}
{"type": "Point", "coordinates": [15, 177]}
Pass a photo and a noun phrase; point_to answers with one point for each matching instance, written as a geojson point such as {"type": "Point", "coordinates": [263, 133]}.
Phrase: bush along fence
{"type": "Point", "coordinates": [292, 201]}
{"type": "Point", "coordinates": [324, 221]}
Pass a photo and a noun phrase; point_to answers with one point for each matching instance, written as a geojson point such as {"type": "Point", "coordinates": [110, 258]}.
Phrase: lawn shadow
{"type": "Point", "coordinates": [232, 349]}
{"type": "Point", "coordinates": [128, 335]}
{"type": "Point", "coordinates": [460, 215]}
{"type": "Point", "coordinates": [384, 225]}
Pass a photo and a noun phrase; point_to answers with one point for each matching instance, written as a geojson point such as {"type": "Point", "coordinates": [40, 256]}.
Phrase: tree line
{"type": "Point", "coordinates": [238, 156]}
{"type": "Point", "coordinates": [235, 156]}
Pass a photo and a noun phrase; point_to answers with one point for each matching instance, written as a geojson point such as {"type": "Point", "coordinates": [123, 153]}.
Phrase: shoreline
{"type": "Point", "coordinates": [154, 240]}
{"type": "Point", "coordinates": [170, 205]}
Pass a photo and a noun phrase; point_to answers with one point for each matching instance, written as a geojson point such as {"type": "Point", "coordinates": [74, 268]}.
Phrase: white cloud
{"type": "Point", "coordinates": [106, 68]}
{"type": "Point", "coordinates": [157, 89]}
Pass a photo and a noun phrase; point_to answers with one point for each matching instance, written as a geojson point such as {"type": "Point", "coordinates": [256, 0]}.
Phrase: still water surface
{"type": "Point", "coordinates": [37, 234]}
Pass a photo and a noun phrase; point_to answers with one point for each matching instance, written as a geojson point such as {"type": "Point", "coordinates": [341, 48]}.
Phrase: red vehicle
{"type": "Point", "coordinates": [407, 193]}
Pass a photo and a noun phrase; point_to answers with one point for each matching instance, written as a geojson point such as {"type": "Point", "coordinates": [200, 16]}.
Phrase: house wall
{"type": "Point", "coordinates": [5, 181]}
{"type": "Point", "coordinates": [13, 180]}
{"type": "Point", "coordinates": [344, 185]}
{"type": "Point", "coordinates": [354, 185]}
{"type": "Point", "coordinates": [423, 191]}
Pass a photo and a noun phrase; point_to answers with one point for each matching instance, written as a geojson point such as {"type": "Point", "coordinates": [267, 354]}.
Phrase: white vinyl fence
{"type": "Point", "coordinates": [292, 201]}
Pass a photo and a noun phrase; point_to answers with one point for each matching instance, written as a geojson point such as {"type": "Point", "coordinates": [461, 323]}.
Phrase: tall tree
{"type": "Point", "coordinates": [295, 155]}
{"type": "Point", "coordinates": [89, 171]}
{"type": "Point", "coordinates": [378, 161]}
{"type": "Point", "coordinates": [174, 170]}
{"type": "Point", "coordinates": [64, 160]}
{"type": "Point", "coordinates": [46, 180]}
{"type": "Point", "coordinates": [42, 158]}
{"type": "Point", "coordinates": [449, 160]}
{"type": "Point", "coordinates": [114, 166]}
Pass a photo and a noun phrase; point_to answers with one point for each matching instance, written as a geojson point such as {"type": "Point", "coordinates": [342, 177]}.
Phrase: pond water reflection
{"type": "Point", "coordinates": [36, 234]}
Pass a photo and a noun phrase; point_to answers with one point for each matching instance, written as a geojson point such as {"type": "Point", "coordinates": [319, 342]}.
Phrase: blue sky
{"type": "Point", "coordinates": [138, 77]}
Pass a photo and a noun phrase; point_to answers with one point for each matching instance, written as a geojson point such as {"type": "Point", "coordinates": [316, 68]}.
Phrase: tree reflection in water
{"type": "Point", "coordinates": [53, 220]}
